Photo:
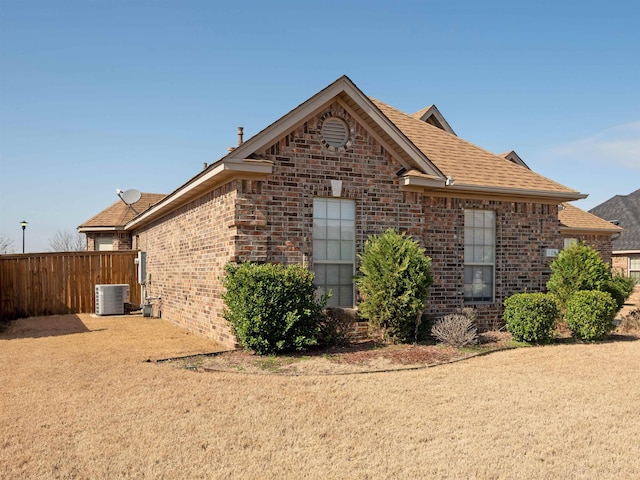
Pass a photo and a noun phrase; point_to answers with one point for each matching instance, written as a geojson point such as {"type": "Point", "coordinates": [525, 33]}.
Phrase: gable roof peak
{"type": "Point", "coordinates": [432, 116]}
{"type": "Point", "coordinates": [515, 158]}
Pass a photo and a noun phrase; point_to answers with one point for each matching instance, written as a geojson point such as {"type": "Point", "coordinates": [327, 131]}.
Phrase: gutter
{"type": "Point", "coordinates": [440, 185]}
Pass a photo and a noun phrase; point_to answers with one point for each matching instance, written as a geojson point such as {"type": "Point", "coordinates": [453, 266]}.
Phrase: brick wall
{"type": "Point", "coordinates": [186, 254]}
{"type": "Point", "coordinates": [271, 220]}
{"type": "Point", "coordinates": [600, 243]}
{"type": "Point", "coordinates": [620, 264]}
{"type": "Point", "coordinates": [275, 216]}
{"type": "Point", "coordinates": [121, 240]}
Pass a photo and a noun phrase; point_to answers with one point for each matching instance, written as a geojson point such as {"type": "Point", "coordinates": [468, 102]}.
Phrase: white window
{"type": "Point", "coordinates": [479, 255]}
{"type": "Point", "coordinates": [634, 268]}
{"type": "Point", "coordinates": [334, 231]}
{"type": "Point", "coordinates": [104, 244]}
{"type": "Point", "coordinates": [570, 242]}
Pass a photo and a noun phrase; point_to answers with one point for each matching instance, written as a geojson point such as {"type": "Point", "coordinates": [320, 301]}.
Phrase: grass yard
{"type": "Point", "coordinates": [79, 401]}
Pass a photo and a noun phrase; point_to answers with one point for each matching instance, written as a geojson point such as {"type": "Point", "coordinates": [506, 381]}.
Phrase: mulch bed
{"type": "Point", "coordinates": [367, 356]}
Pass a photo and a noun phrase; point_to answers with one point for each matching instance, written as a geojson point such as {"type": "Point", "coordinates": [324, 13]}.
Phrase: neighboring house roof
{"type": "Point", "coordinates": [116, 216]}
{"type": "Point", "coordinates": [433, 159]}
{"type": "Point", "coordinates": [575, 220]}
{"type": "Point", "coordinates": [625, 211]}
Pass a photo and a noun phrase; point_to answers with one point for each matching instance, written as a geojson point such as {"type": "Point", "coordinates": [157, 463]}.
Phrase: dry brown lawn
{"type": "Point", "coordinates": [79, 401]}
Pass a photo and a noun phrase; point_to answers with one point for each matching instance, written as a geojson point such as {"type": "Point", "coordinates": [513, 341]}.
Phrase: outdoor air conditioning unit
{"type": "Point", "coordinates": [110, 299]}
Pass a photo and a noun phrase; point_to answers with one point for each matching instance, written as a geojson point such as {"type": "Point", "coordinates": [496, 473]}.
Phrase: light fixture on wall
{"type": "Point", "coordinates": [336, 188]}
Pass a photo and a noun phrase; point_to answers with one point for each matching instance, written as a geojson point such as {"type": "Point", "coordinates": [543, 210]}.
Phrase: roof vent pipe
{"type": "Point", "coordinates": [240, 133]}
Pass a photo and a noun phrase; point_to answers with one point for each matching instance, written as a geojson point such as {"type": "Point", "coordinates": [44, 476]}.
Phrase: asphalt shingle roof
{"type": "Point", "coordinates": [118, 214]}
{"type": "Point", "coordinates": [467, 163]}
{"type": "Point", "coordinates": [575, 218]}
{"type": "Point", "coordinates": [624, 209]}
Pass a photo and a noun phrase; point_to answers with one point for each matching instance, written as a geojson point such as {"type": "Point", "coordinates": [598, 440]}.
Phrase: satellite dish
{"type": "Point", "coordinates": [131, 196]}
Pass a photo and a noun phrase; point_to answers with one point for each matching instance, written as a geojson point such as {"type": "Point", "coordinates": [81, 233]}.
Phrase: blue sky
{"type": "Point", "coordinates": [103, 94]}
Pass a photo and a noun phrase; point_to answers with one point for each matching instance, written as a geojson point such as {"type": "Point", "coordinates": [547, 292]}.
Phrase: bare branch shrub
{"type": "Point", "coordinates": [456, 330]}
{"type": "Point", "coordinates": [337, 326]}
{"type": "Point", "coordinates": [631, 322]}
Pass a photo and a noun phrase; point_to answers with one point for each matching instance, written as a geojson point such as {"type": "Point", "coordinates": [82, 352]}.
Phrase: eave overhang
{"type": "Point", "coordinates": [588, 231]}
{"type": "Point", "coordinates": [115, 228]}
{"type": "Point", "coordinates": [439, 186]}
{"type": "Point", "coordinates": [626, 252]}
{"type": "Point", "coordinates": [221, 172]}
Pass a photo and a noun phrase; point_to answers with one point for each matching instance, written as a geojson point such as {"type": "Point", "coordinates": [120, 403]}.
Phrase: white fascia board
{"type": "Point", "coordinates": [99, 229]}
{"type": "Point", "coordinates": [625, 252]}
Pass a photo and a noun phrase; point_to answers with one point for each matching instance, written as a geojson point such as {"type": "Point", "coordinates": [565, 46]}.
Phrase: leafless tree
{"type": "Point", "coordinates": [6, 244]}
{"type": "Point", "coordinates": [67, 241]}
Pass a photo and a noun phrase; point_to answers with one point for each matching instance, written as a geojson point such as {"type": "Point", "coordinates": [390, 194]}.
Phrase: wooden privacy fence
{"type": "Point", "coordinates": [60, 283]}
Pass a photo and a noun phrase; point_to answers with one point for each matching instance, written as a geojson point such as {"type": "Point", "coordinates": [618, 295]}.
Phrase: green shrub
{"type": "Point", "coordinates": [457, 329]}
{"type": "Point", "coordinates": [590, 314]}
{"type": "Point", "coordinates": [578, 267]}
{"type": "Point", "coordinates": [531, 317]}
{"type": "Point", "coordinates": [272, 308]}
{"type": "Point", "coordinates": [619, 287]}
{"type": "Point", "coordinates": [394, 281]}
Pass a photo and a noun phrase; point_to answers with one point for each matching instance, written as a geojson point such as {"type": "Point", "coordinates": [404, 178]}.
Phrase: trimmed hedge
{"type": "Point", "coordinates": [590, 314]}
{"type": "Point", "coordinates": [531, 317]}
{"type": "Point", "coordinates": [619, 287]}
{"type": "Point", "coordinates": [578, 267]}
{"type": "Point", "coordinates": [272, 308]}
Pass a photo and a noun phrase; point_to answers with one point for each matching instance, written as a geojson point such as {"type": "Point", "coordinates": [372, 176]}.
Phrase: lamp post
{"type": "Point", "coordinates": [23, 223]}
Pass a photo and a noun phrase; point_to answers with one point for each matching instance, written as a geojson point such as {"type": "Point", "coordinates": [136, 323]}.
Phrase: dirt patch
{"type": "Point", "coordinates": [363, 357]}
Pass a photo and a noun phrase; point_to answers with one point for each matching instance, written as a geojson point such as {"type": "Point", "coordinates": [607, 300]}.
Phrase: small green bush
{"type": "Point", "coordinates": [531, 317]}
{"type": "Point", "coordinates": [272, 308]}
{"type": "Point", "coordinates": [619, 287]}
{"type": "Point", "coordinates": [590, 314]}
{"type": "Point", "coordinates": [578, 267]}
{"type": "Point", "coordinates": [394, 281]}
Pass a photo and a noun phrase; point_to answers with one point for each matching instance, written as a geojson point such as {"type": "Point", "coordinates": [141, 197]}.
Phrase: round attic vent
{"type": "Point", "coordinates": [335, 132]}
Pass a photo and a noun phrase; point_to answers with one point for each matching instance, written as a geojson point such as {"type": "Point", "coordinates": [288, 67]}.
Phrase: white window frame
{"type": "Point", "coordinates": [479, 256]}
{"type": "Point", "coordinates": [329, 251]}
{"type": "Point", "coordinates": [634, 267]}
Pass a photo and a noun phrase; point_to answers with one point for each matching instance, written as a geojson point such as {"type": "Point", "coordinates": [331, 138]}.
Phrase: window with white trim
{"type": "Point", "coordinates": [634, 268]}
{"type": "Point", "coordinates": [570, 242]}
{"type": "Point", "coordinates": [334, 232]}
{"type": "Point", "coordinates": [479, 255]}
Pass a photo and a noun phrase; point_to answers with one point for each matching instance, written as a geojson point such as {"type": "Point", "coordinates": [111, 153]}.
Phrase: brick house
{"type": "Point", "coordinates": [311, 187]}
{"type": "Point", "coordinates": [576, 225]}
{"type": "Point", "coordinates": [105, 231]}
{"type": "Point", "coordinates": [624, 210]}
